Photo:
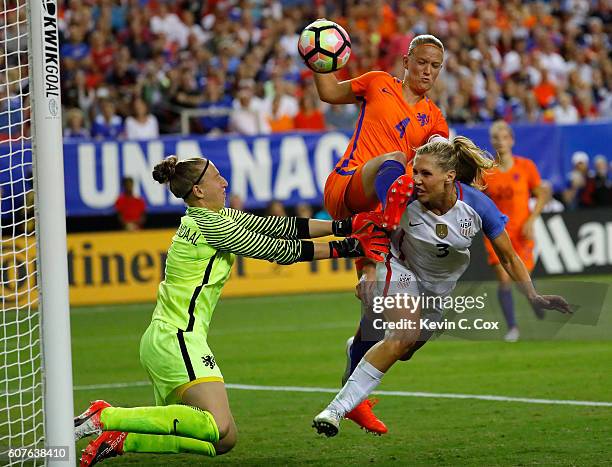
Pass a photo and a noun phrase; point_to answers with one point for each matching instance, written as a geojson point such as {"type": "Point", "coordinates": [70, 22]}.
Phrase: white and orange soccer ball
{"type": "Point", "coordinates": [325, 46]}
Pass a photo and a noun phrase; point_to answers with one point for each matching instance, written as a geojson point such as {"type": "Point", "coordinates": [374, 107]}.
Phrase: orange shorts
{"type": "Point", "coordinates": [522, 246]}
{"type": "Point", "coordinates": [344, 195]}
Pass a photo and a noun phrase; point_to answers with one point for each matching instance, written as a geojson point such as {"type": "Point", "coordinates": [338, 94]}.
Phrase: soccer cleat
{"type": "Point", "coordinates": [108, 444]}
{"type": "Point", "coordinates": [88, 423]}
{"type": "Point", "coordinates": [363, 416]}
{"type": "Point", "coordinates": [397, 199]}
{"type": "Point", "coordinates": [512, 335]}
{"type": "Point", "coordinates": [327, 423]}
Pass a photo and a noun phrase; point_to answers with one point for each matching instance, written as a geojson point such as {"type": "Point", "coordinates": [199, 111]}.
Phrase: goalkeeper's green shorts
{"type": "Point", "coordinates": [176, 360]}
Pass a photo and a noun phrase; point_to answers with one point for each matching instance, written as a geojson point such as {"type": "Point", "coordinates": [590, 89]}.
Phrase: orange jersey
{"type": "Point", "coordinates": [510, 191]}
{"type": "Point", "coordinates": [387, 123]}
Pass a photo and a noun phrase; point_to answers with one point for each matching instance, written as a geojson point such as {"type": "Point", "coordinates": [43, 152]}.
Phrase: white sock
{"type": "Point", "coordinates": [360, 384]}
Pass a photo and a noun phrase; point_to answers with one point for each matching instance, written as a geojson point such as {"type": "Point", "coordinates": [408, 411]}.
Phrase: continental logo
{"type": "Point", "coordinates": [123, 267]}
{"type": "Point", "coordinates": [88, 267]}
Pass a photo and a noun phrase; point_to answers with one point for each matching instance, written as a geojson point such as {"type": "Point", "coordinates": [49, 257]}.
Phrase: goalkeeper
{"type": "Point", "coordinates": [192, 412]}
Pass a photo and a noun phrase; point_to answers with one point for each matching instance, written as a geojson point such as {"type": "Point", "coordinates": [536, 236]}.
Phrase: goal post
{"type": "Point", "coordinates": [47, 155]}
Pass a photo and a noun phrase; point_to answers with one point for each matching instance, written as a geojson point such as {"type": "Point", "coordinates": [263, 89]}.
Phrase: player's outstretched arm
{"type": "Point", "coordinates": [359, 223]}
{"type": "Point", "coordinates": [333, 91]}
{"type": "Point", "coordinates": [300, 228]}
{"type": "Point", "coordinates": [519, 274]}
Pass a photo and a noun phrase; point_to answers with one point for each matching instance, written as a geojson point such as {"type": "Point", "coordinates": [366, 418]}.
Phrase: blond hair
{"type": "Point", "coordinates": [500, 125]}
{"type": "Point", "coordinates": [425, 39]}
{"type": "Point", "coordinates": [179, 175]}
{"type": "Point", "coordinates": [463, 156]}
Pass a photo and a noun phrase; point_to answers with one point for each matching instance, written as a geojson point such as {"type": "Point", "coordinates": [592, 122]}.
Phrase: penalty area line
{"type": "Point", "coordinates": [431, 395]}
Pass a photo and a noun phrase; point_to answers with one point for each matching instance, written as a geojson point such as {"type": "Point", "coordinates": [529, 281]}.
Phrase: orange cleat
{"type": "Point", "coordinates": [108, 444]}
{"type": "Point", "coordinates": [88, 423]}
{"type": "Point", "coordinates": [363, 416]}
{"type": "Point", "coordinates": [397, 199]}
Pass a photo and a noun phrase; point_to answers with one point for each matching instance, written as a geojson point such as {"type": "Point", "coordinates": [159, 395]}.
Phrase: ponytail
{"type": "Point", "coordinates": [463, 156]}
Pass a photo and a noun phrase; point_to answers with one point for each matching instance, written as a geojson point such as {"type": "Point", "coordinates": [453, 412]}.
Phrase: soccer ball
{"type": "Point", "coordinates": [325, 46]}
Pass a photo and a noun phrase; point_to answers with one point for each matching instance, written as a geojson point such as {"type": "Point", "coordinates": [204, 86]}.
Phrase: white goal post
{"type": "Point", "coordinates": [36, 400]}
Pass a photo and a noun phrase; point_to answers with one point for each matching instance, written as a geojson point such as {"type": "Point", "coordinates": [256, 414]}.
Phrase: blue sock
{"type": "Point", "coordinates": [507, 305]}
{"type": "Point", "coordinates": [387, 173]}
{"type": "Point", "coordinates": [358, 350]}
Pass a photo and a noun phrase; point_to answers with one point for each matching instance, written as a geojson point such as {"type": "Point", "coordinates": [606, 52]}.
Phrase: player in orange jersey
{"type": "Point", "coordinates": [396, 118]}
{"type": "Point", "coordinates": [510, 186]}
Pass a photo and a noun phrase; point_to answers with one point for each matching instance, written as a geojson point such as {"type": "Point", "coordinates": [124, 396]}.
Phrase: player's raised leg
{"type": "Point", "coordinates": [384, 178]}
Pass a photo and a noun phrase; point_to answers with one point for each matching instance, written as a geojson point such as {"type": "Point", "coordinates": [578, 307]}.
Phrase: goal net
{"type": "Point", "coordinates": [21, 402]}
{"type": "Point", "coordinates": [35, 383]}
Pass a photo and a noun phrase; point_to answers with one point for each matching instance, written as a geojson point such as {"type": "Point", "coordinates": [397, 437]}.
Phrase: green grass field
{"type": "Point", "coordinates": [299, 341]}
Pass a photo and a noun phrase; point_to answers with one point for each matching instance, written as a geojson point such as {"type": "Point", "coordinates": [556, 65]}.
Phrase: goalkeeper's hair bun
{"type": "Point", "coordinates": [165, 170]}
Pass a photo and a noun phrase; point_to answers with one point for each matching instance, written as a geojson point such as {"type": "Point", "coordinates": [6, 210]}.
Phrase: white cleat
{"type": "Point", "coordinates": [327, 423]}
{"type": "Point", "coordinates": [512, 335]}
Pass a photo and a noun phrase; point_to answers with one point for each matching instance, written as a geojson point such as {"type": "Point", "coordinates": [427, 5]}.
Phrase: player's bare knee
{"type": "Point", "coordinates": [227, 442]}
{"type": "Point", "coordinates": [400, 344]}
{"type": "Point", "coordinates": [224, 427]}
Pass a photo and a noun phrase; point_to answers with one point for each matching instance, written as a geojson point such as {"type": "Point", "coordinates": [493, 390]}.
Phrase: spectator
{"type": "Point", "coordinates": [78, 94]}
{"type": "Point", "coordinates": [101, 53]}
{"type": "Point", "coordinates": [75, 125]}
{"type": "Point", "coordinates": [459, 111]}
{"type": "Point", "coordinates": [599, 183]}
{"type": "Point", "coordinates": [236, 202]}
{"type": "Point", "coordinates": [107, 123]}
{"type": "Point", "coordinates": [573, 196]}
{"type": "Point", "coordinates": [277, 119]}
{"type": "Point", "coordinates": [219, 104]}
{"type": "Point", "coordinates": [585, 105]}
{"type": "Point", "coordinates": [517, 47]}
{"type": "Point", "coordinates": [564, 112]}
{"type": "Point", "coordinates": [169, 25]}
{"type": "Point", "coordinates": [130, 208]}
{"type": "Point", "coordinates": [303, 210]}
{"type": "Point", "coordinates": [142, 125]}
{"type": "Point", "coordinates": [533, 112]}
{"type": "Point", "coordinates": [75, 52]}
{"type": "Point", "coordinates": [280, 106]}
{"type": "Point", "coordinates": [310, 116]}
{"type": "Point", "coordinates": [341, 117]}
{"type": "Point", "coordinates": [545, 91]}
{"type": "Point", "coordinates": [247, 117]}
{"type": "Point", "coordinates": [186, 92]}
{"type": "Point", "coordinates": [138, 40]}
{"type": "Point", "coordinates": [275, 208]}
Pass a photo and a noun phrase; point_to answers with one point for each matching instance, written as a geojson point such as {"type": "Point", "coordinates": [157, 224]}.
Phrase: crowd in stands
{"type": "Point", "coordinates": [130, 66]}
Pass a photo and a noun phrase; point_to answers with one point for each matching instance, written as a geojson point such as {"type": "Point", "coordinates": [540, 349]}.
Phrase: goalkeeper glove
{"type": "Point", "coordinates": [357, 223]}
{"type": "Point", "coordinates": [372, 245]}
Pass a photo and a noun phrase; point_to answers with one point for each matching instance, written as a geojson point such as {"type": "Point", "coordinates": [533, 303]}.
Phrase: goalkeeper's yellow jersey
{"type": "Point", "coordinates": [201, 256]}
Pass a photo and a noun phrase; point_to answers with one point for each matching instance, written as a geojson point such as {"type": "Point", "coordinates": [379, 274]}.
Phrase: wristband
{"type": "Point", "coordinates": [342, 228]}
{"type": "Point", "coordinates": [347, 248]}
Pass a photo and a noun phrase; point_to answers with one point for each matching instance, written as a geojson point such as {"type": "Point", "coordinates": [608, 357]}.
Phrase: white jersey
{"type": "Point", "coordinates": [436, 248]}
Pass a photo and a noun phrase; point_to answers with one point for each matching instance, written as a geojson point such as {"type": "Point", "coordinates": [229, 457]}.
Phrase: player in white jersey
{"type": "Point", "coordinates": [430, 252]}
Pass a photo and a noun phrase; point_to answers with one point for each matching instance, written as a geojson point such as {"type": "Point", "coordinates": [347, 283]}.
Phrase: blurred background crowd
{"type": "Point", "coordinates": [130, 67]}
